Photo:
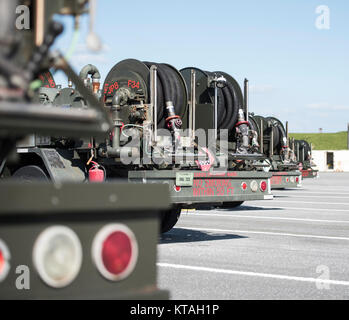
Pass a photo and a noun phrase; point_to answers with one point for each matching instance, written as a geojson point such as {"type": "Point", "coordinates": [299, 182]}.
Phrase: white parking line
{"type": "Point", "coordinates": [327, 188]}
{"type": "Point", "coordinates": [298, 196]}
{"type": "Point", "coordinates": [312, 202]}
{"type": "Point", "coordinates": [267, 233]}
{"type": "Point", "coordinates": [263, 217]}
{"type": "Point", "coordinates": [309, 209]}
{"type": "Point", "coordinates": [300, 191]}
{"type": "Point", "coordinates": [253, 274]}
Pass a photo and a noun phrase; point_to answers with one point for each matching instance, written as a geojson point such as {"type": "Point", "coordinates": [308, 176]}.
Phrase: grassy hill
{"type": "Point", "coordinates": [324, 141]}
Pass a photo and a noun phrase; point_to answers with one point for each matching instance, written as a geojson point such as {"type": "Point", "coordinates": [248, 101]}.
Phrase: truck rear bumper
{"type": "Point", "coordinates": [30, 209]}
{"type": "Point", "coordinates": [209, 187]}
{"type": "Point", "coordinates": [310, 173]}
{"type": "Point", "coordinates": [285, 179]}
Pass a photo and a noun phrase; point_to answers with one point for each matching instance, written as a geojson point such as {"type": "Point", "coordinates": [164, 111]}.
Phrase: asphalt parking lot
{"type": "Point", "coordinates": [293, 247]}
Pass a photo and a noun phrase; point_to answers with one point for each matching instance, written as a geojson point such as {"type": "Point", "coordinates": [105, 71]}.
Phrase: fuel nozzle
{"type": "Point", "coordinates": [242, 129]}
{"type": "Point", "coordinates": [173, 121]}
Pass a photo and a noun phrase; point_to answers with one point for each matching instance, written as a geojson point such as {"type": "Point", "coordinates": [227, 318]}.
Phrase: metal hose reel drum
{"type": "Point", "coordinates": [259, 125]}
{"type": "Point", "coordinates": [307, 149]}
{"type": "Point", "coordinates": [131, 80]}
{"type": "Point", "coordinates": [271, 127]}
{"type": "Point", "coordinates": [230, 98]}
{"type": "Point", "coordinates": [302, 150]}
{"type": "Point", "coordinates": [47, 80]}
{"type": "Point", "coordinates": [278, 133]}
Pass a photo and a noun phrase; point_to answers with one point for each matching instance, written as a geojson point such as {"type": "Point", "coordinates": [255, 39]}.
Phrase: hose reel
{"type": "Point", "coordinates": [272, 128]}
{"type": "Point", "coordinates": [131, 78]}
{"type": "Point", "coordinates": [47, 80]}
{"type": "Point", "coordinates": [302, 150]}
{"type": "Point", "coordinates": [230, 98]}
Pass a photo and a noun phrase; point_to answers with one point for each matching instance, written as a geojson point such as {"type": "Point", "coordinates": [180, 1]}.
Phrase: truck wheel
{"type": "Point", "coordinates": [230, 205]}
{"type": "Point", "coordinates": [169, 218]}
{"type": "Point", "coordinates": [30, 173]}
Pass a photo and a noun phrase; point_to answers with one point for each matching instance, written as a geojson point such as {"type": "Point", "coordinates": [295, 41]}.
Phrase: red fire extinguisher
{"type": "Point", "coordinates": [95, 174]}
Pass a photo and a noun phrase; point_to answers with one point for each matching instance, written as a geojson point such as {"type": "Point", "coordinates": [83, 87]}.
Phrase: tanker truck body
{"type": "Point", "coordinates": [196, 143]}
{"type": "Point", "coordinates": [303, 153]}
{"type": "Point", "coordinates": [280, 158]}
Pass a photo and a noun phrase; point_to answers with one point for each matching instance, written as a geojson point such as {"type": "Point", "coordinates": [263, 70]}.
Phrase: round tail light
{"type": "Point", "coordinates": [177, 188]}
{"type": "Point", "coordinates": [263, 186]}
{"type": "Point", "coordinates": [115, 251]}
{"type": "Point", "coordinates": [4, 260]}
{"type": "Point", "coordinates": [254, 186]}
{"type": "Point", "coordinates": [57, 256]}
{"type": "Point", "coordinates": [287, 179]}
{"type": "Point", "coordinates": [244, 186]}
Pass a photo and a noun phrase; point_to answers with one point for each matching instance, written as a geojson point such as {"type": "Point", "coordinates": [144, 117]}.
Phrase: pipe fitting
{"type": "Point", "coordinates": [92, 70]}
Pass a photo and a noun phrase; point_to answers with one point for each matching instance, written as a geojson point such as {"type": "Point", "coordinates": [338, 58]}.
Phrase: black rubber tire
{"type": "Point", "coordinates": [169, 218]}
{"type": "Point", "coordinates": [30, 173]}
{"type": "Point", "coordinates": [231, 205]}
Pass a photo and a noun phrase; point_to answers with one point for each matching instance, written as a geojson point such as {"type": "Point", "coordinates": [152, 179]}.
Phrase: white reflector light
{"type": "Point", "coordinates": [57, 256]}
{"type": "Point", "coordinates": [254, 186]}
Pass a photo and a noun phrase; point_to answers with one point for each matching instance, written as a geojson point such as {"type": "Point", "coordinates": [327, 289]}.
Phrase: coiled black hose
{"type": "Point", "coordinates": [307, 149]}
{"type": "Point", "coordinates": [304, 150]}
{"type": "Point", "coordinates": [228, 104]}
{"type": "Point", "coordinates": [170, 88]}
{"type": "Point", "coordinates": [232, 107]}
{"type": "Point", "coordinates": [132, 78]}
{"type": "Point", "coordinates": [278, 130]}
{"type": "Point", "coordinates": [229, 98]}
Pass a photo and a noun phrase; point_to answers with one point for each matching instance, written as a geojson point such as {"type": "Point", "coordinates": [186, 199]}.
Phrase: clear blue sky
{"type": "Point", "coordinates": [296, 71]}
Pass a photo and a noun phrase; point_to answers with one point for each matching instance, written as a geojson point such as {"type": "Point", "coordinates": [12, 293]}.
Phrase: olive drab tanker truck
{"type": "Point", "coordinates": [303, 153]}
{"type": "Point", "coordinates": [63, 239]}
{"type": "Point", "coordinates": [196, 143]}
{"type": "Point", "coordinates": [274, 144]}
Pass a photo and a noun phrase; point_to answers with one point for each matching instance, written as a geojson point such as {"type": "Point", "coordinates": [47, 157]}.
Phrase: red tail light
{"type": "Point", "coordinates": [297, 179]}
{"type": "Point", "coordinates": [263, 186]}
{"type": "Point", "coordinates": [115, 251]}
{"type": "Point", "coordinates": [177, 188]}
{"type": "Point", "coordinates": [244, 186]}
{"type": "Point", "coordinates": [2, 261]}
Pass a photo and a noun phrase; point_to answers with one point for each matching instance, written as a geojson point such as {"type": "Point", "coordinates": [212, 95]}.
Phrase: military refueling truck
{"type": "Point", "coordinates": [59, 239]}
{"type": "Point", "coordinates": [274, 143]}
{"type": "Point", "coordinates": [195, 142]}
{"type": "Point", "coordinates": [303, 153]}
